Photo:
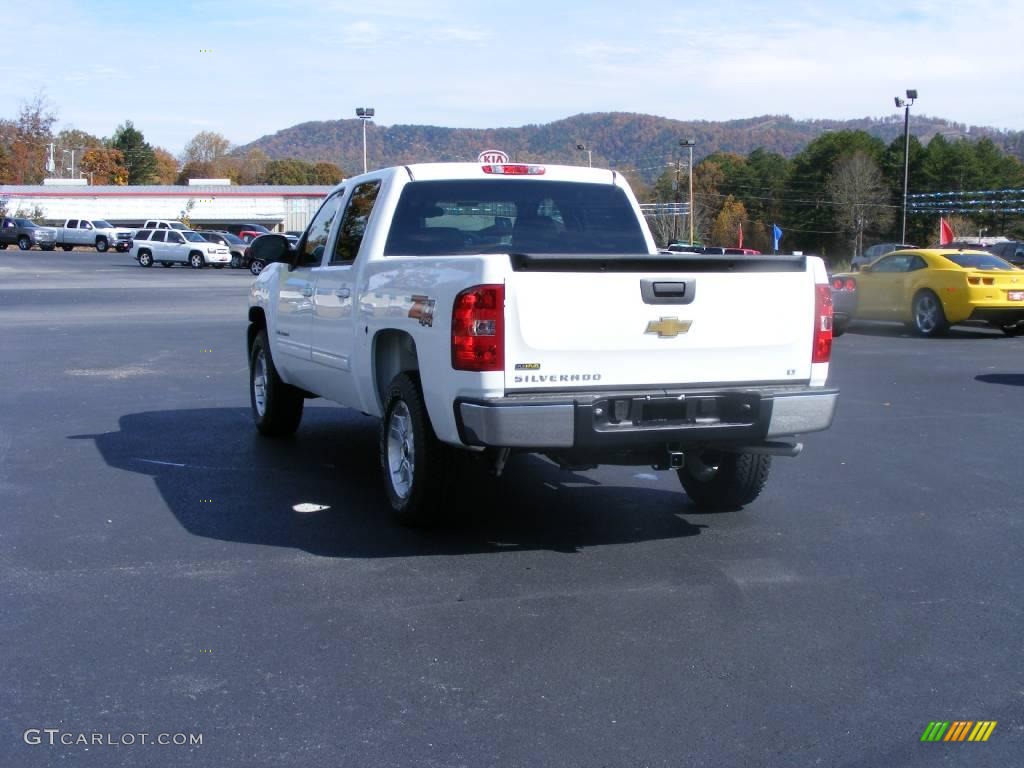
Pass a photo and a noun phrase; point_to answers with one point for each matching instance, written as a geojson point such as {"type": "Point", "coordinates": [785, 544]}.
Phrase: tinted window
{"type": "Point", "coordinates": [85, 225]}
{"type": "Point", "coordinates": [27, 224]}
{"type": "Point", "coordinates": [353, 223]}
{"type": "Point", "coordinates": [143, 234]}
{"type": "Point", "coordinates": [159, 236]}
{"type": "Point", "coordinates": [978, 261]}
{"type": "Point", "coordinates": [227, 237]}
{"type": "Point", "coordinates": [72, 224]}
{"type": "Point", "coordinates": [518, 215]}
{"type": "Point", "coordinates": [319, 231]}
{"type": "Point", "coordinates": [175, 237]}
{"type": "Point", "coordinates": [894, 263]}
{"type": "Point", "coordinates": [177, 225]}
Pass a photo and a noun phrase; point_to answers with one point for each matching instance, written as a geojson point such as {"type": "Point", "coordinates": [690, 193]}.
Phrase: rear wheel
{"type": "Point", "coordinates": [145, 259]}
{"type": "Point", "coordinates": [196, 260]}
{"type": "Point", "coordinates": [929, 317]}
{"type": "Point", "coordinates": [276, 406]}
{"type": "Point", "coordinates": [722, 481]}
{"type": "Point", "coordinates": [236, 261]}
{"type": "Point", "coordinates": [418, 468]}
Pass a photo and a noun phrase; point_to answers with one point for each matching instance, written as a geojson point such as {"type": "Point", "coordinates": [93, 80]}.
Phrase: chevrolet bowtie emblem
{"type": "Point", "coordinates": [668, 327]}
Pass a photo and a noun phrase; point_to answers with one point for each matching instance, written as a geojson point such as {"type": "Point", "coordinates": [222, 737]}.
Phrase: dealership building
{"type": "Point", "coordinates": [279, 208]}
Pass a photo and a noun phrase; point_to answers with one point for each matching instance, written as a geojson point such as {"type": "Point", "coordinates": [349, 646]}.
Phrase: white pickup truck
{"type": "Point", "coordinates": [490, 309]}
{"type": "Point", "coordinates": [97, 233]}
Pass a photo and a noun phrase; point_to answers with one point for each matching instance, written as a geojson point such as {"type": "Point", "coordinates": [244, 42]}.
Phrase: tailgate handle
{"type": "Point", "coordinates": [668, 291]}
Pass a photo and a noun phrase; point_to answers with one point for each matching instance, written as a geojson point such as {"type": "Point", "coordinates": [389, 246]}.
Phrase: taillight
{"type": "Point", "coordinates": [851, 284]}
{"type": "Point", "coordinates": [837, 283]}
{"type": "Point", "coordinates": [478, 329]}
{"type": "Point", "coordinates": [821, 352]}
{"type": "Point", "coordinates": [514, 169]}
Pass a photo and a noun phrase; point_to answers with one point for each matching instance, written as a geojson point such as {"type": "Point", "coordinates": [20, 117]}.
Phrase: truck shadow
{"type": "Point", "coordinates": [321, 491]}
{"type": "Point", "coordinates": [898, 330]}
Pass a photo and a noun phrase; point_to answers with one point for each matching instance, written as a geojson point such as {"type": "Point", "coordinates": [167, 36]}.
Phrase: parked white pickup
{"type": "Point", "coordinates": [491, 309]}
{"type": "Point", "coordinates": [96, 233]}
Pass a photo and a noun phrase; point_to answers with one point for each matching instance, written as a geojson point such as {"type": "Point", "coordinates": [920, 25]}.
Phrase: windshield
{"type": "Point", "coordinates": [178, 225]}
{"type": "Point", "coordinates": [101, 224]}
{"type": "Point", "coordinates": [233, 239]}
{"type": "Point", "coordinates": [513, 215]}
{"type": "Point", "coordinates": [26, 224]}
{"type": "Point", "coordinates": [193, 237]}
{"type": "Point", "coordinates": [979, 261]}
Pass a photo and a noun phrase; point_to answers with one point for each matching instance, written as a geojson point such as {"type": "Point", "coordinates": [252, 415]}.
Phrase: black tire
{"type": "Point", "coordinates": [721, 481]}
{"type": "Point", "coordinates": [24, 243]}
{"type": "Point", "coordinates": [67, 247]}
{"type": "Point", "coordinates": [418, 468]}
{"type": "Point", "coordinates": [276, 406]}
{"type": "Point", "coordinates": [196, 260]}
{"type": "Point", "coordinates": [3, 246]}
{"type": "Point", "coordinates": [166, 263]}
{"type": "Point", "coordinates": [145, 259]}
{"type": "Point", "coordinates": [102, 245]}
{"type": "Point", "coordinates": [1013, 329]}
{"type": "Point", "coordinates": [256, 266]}
{"type": "Point", "coordinates": [48, 247]}
{"type": "Point", "coordinates": [236, 261]}
{"type": "Point", "coordinates": [929, 317]}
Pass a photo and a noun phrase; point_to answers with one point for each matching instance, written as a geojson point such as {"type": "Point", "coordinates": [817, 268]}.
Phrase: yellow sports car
{"type": "Point", "coordinates": [931, 289]}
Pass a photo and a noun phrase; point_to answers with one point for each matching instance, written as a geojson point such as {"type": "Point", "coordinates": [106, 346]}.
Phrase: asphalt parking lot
{"type": "Point", "coordinates": [157, 576]}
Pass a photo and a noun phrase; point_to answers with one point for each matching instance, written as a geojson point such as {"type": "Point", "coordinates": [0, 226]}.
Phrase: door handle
{"type": "Point", "coordinates": [307, 290]}
{"type": "Point", "coordinates": [343, 293]}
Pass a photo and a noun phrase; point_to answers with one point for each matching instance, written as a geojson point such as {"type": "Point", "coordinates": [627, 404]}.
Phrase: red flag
{"type": "Point", "coordinates": [945, 232]}
{"type": "Point", "coordinates": [740, 243]}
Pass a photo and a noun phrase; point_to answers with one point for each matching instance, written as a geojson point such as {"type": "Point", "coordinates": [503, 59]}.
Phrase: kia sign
{"type": "Point", "coordinates": [489, 156]}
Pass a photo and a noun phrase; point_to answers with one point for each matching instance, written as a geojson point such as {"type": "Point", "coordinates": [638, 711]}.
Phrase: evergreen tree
{"type": "Point", "coordinates": [139, 158]}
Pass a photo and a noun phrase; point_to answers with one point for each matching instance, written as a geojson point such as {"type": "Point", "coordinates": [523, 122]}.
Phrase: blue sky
{"type": "Point", "coordinates": [275, 63]}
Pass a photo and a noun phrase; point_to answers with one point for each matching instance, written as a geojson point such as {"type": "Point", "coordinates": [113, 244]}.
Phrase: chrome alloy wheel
{"type": "Point", "coordinates": [259, 382]}
{"type": "Point", "coordinates": [401, 450]}
{"type": "Point", "coordinates": [926, 313]}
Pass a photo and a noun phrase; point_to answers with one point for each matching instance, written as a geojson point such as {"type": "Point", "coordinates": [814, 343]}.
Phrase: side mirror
{"type": "Point", "coordinates": [271, 248]}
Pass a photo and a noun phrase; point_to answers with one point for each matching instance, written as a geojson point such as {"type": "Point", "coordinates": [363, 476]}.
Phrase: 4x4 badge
{"type": "Point", "coordinates": [668, 327]}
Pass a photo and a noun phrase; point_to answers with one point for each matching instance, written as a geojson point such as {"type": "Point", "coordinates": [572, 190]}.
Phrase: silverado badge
{"type": "Point", "coordinates": [668, 327]}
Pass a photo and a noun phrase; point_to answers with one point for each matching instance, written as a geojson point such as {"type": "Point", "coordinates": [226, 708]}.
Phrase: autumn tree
{"type": "Point", "coordinates": [207, 150]}
{"type": "Point", "coordinates": [252, 168]}
{"type": "Point", "coordinates": [725, 228]}
{"type": "Point", "coordinates": [139, 158]}
{"type": "Point", "coordinates": [104, 166]}
{"type": "Point", "coordinates": [26, 141]}
{"type": "Point", "coordinates": [860, 196]}
{"type": "Point", "coordinates": [327, 173]}
{"type": "Point", "coordinates": [166, 166]}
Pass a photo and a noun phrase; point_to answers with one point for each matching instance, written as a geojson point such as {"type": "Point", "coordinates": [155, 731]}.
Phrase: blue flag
{"type": "Point", "coordinates": [776, 236]}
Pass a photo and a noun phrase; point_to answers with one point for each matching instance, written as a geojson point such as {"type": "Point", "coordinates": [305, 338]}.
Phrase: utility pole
{"type": "Point", "coordinates": [911, 96]}
{"type": "Point", "coordinates": [689, 144]}
{"type": "Point", "coordinates": [675, 217]}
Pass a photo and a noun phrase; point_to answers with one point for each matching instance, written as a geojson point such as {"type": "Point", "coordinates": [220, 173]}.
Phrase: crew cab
{"type": "Point", "coordinates": [93, 232]}
{"type": "Point", "coordinates": [24, 233]}
{"type": "Point", "coordinates": [486, 310]}
{"type": "Point", "coordinates": [174, 246]}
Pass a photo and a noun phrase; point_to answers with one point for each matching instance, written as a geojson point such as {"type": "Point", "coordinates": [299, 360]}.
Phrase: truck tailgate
{"type": "Point", "coordinates": [641, 322]}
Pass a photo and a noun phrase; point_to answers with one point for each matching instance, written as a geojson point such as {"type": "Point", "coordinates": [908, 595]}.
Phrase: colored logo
{"type": "Point", "coordinates": [668, 327]}
{"type": "Point", "coordinates": [958, 730]}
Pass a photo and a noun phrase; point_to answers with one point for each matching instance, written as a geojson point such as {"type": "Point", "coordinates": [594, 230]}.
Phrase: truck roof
{"type": "Point", "coordinates": [444, 171]}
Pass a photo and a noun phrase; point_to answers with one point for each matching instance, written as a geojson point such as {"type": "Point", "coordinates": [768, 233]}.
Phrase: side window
{"type": "Point", "coordinates": [319, 231]}
{"type": "Point", "coordinates": [892, 264]}
{"type": "Point", "coordinates": [84, 225]}
{"type": "Point", "coordinates": [353, 223]}
{"type": "Point", "coordinates": [142, 234]}
{"type": "Point", "coordinates": [72, 224]}
{"type": "Point", "coordinates": [158, 236]}
{"type": "Point", "coordinates": [162, 225]}
{"type": "Point", "coordinates": [174, 237]}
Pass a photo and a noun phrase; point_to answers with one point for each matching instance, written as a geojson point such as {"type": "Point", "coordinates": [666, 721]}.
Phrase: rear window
{"type": "Point", "coordinates": [513, 216]}
{"type": "Point", "coordinates": [979, 261]}
{"type": "Point", "coordinates": [142, 234]}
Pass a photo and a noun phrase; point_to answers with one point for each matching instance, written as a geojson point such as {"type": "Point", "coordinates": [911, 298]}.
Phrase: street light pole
{"type": "Point", "coordinates": [364, 114]}
{"type": "Point", "coordinates": [583, 148]}
{"type": "Point", "coordinates": [689, 144]}
{"type": "Point", "coordinates": [911, 96]}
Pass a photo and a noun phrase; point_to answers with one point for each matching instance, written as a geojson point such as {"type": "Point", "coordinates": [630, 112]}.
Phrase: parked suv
{"type": "Point", "coordinates": [248, 232]}
{"type": "Point", "coordinates": [239, 249]}
{"type": "Point", "coordinates": [876, 252]}
{"type": "Point", "coordinates": [25, 233]}
{"type": "Point", "coordinates": [1012, 251]}
{"type": "Point", "coordinates": [173, 246]}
